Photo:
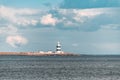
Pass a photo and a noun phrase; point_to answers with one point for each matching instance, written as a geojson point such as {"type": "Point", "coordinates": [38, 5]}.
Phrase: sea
{"type": "Point", "coordinates": [59, 67]}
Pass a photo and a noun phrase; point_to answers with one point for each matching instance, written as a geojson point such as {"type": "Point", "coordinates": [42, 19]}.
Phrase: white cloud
{"type": "Point", "coordinates": [88, 12]}
{"type": "Point", "coordinates": [34, 22]}
{"type": "Point", "coordinates": [18, 16]}
{"type": "Point", "coordinates": [80, 15]}
{"type": "Point", "coordinates": [65, 17]}
{"type": "Point", "coordinates": [48, 20]}
{"type": "Point", "coordinates": [87, 19]}
{"type": "Point", "coordinates": [26, 22]}
{"type": "Point", "coordinates": [16, 41]}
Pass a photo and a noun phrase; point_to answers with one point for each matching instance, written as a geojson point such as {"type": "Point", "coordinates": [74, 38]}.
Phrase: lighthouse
{"type": "Point", "coordinates": [58, 47]}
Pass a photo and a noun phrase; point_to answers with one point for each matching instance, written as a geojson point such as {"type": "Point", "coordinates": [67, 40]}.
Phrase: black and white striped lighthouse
{"type": "Point", "coordinates": [58, 47]}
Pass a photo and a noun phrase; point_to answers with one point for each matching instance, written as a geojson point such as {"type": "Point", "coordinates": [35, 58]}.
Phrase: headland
{"type": "Point", "coordinates": [58, 52]}
{"type": "Point", "coordinates": [39, 53]}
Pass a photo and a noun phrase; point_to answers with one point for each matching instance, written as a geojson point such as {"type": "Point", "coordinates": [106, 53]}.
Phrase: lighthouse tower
{"type": "Point", "coordinates": [58, 47]}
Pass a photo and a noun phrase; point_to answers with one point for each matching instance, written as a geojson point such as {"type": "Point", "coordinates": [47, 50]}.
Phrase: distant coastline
{"type": "Point", "coordinates": [49, 53]}
{"type": "Point", "coordinates": [39, 53]}
{"type": "Point", "coordinates": [58, 52]}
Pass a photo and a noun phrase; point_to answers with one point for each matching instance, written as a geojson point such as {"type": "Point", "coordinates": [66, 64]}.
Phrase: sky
{"type": "Point", "coordinates": [82, 26]}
